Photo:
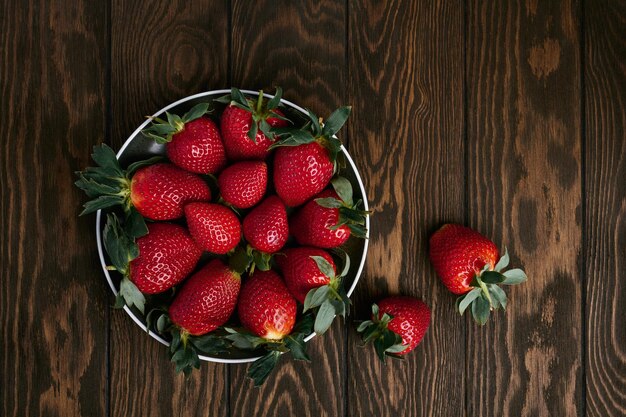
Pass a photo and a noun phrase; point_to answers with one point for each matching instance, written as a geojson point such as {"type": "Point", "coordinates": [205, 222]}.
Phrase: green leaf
{"type": "Point", "coordinates": [498, 295]}
{"type": "Point", "coordinates": [95, 189]}
{"type": "Point", "coordinates": [503, 262]}
{"type": "Point", "coordinates": [315, 123]}
{"type": "Point", "coordinates": [480, 310]}
{"type": "Point", "coordinates": [467, 299]}
{"type": "Point", "coordinates": [135, 225]}
{"type": "Point", "coordinates": [119, 301]}
{"type": "Point", "coordinates": [297, 347]}
{"type": "Point", "coordinates": [324, 266]}
{"type": "Point", "coordinates": [262, 260]}
{"type": "Point", "coordinates": [375, 311]}
{"type": "Point", "coordinates": [316, 297]}
{"type": "Point", "coordinates": [483, 286]}
{"type": "Point", "coordinates": [238, 98]}
{"type": "Point", "coordinates": [176, 341]}
{"type": "Point", "coordinates": [175, 121]}
{"type": "Point", "coordinates": [242, 341]}
{"type": "Point", "coordinates": [492, 277]}
{"type": "Point", "coordinates": [132, 295]}
{"type": "Point", "coordinates": [275, 101]}
{"type": "Point", "coordinates": [343, 188]}
{"type": "Point", "coordinates": [304, 325]}
{"type": "Point", "coordinates": [336, 120]}
{"type": "Point", "coordinates": [162, 323]}
{"type": "Point", "coordinates": [120, 248]}
{"type": "Point", "coordinates": [210, 344]}
{"type": "Point", "coordinates": [262, 367]}
{"type": "Point", "coordinates": [346, 264]}
{"type": "Point", "coordinates": [105, 157]}
{"type": "Point", "coordinates": [364, 325]}
{"type": "Point", "coordinates": [324, 317]}
{"type": "Point", "coordinates": [358, 230]}
{"type": "Point", "coordinates": [329, 202]}
{"type": "Point", "coordinates": [196, 112]}
{"type": "Point", "coordinates": [104, 201]}
{"type": "Point", "coordinates": [226, 99]}
{"type": "Point", "coordinates": [252, 132]}
{"type": "Point", "coordinates": [514, 277]}
{"type": "Point", "coordinates": [240, 260]}
{"type": "Point", "coordinates": [132, 168]}
{"type": "Point", "coordinates": [266, 129]}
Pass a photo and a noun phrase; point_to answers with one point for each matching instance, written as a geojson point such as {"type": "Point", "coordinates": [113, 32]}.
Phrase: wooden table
{"type": "Point", "coordinates": [509, 118]}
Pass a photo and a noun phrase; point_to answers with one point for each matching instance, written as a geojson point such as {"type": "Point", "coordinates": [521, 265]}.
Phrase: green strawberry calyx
{"type": "Point", "coordinates": [351, 214]}
{"type": "Point", "coordinates": [386, 342]}
{"type": "Point", "coordinates": [120, 245]}
{"type": "Point", "coordinates": [163, 131]}
{"type": "Point", "coordinates": [293, 343]}
{"type": "Point", "coordinates": [108, 184]}
{"type": "Point", "coordinates": [328, 300]}
{"type": "Point", "coordinates": [316, 130]}
{"type": "Point", "coordinates": [486, 294]}
{"type": "Point", "coordinates": [185, 348]}
{"type": "Point", "coordinates": [260, 108]}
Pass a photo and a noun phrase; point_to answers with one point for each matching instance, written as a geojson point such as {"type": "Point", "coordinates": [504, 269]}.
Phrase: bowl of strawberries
{"type": "Point", "coordinates": [231, 226]}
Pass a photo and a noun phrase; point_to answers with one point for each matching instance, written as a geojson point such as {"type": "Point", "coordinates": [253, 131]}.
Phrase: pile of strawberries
{"type": "Point", "coordinates": [227, 190]}
{"type": "Point", "coordinates": [250, 216]}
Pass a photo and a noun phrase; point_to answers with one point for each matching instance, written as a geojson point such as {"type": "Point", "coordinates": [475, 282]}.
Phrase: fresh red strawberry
{"type": "Point", "coordinates": [167, 254]}
{"type": "Point", "coordinates": [306, 159]}
{"type": "Point", "coordinates": [158, 192]}
{"type": "Point", "coordinates": [206, 300]}
{"type": "Point", "coordinates": [266, 227]}
{"type": "Point", "coordinates": [214, 227]}
{"type": "Point", "coordinates": [246, 124]}
{"type": "Point", "coordinates": [192, 142]}
{"type": "Point", "coordinates": [398, 324]}
{"type": "Point", "coordinates": [330, 218]}
{"type": "Point", "coordinates": [469, 263]}
{"type": "Point", "coordinates": [311, 277]}
{"type": "Point", "coordinates": [243, 184]}
{"type": "Point", "coordinates": [266, 307]}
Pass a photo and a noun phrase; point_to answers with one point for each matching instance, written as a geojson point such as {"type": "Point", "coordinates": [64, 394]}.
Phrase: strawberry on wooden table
{"type": "Point", "coordinates": [398, 324]}
{"type": "Point", "coordinates": [469, 264]}
{"type": "Point", "coordinates": [192, 142]}
{"type": "Point", "coordinates": [246, 124]}
{"type": "Point", "coordinates": [214, 227]}
{"type": "Point", "coordinates": [311, 277]}
{"type": "Point", "coordinates": [268, 312]}
{"type": "Point", "coordinates": [330, 218]}
{"type": "Point", "coordinates": [266, 230]}
{"type": "Point", "coordinates": [243, 184]}
{"type": "Point", "coordinates": [205, 302]}
{"type": "Point", "coordinates": [157, 192]}
{"type": "Point", "coordinates": [306, 159]}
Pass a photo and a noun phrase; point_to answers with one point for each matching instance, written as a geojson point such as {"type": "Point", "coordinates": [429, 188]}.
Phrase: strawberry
{"type": "Point", "coordinates": [192, 142]}
{"type": "Point", "coordinates": [167, 254]}
{"type": "Point", "coordinates": [266, 229]}
{"type": "Point", "coordinates": [243, 184]}
{"type": "Point", "coordinates": [215, 228]}
{"type": "Point", "coordinates": [266, 307]}
{"type": "Point", "coordinates": [158, 192]}
{"type": "Point", "coordinates": [246, 124]}
{"type": "Point", "coordinates": [330, 218]}
{"type": "Point", "coordinates": [398, 324]}
{"type": "Point", "coordinates": [206, 300]}
{"type": "Point", "coordinates": [469, 264]}
{"type": "Point", "coordinates": [311, 277]}
{"type": "Point", "coordinates": [306, 159]}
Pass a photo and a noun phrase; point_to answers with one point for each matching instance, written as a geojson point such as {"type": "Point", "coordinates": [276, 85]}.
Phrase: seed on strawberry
{"type": "Point", "coordinates": [193, 142]}
{"type": "Point", "coordinates": [398, 324]}
{"type": "Point", "coordinates": [311, 277]}
{"type": "Point", "coordinates": [243, 184]}
{"type": "Point", "coordinates": [330, 218]}
{"type": "Point", "coordinates": [469, 264]}
{"type": "Point", "coordinates": [266, 307]}
{"type": "Point", "coordinates": [214, 227]}
{"type": "Point", "coordinates": [158, 192]}
{"type": "Point", "coordinates": [266, 229]}
{"type": "Point", "coordinates": [305, 160]}
{"type": "Point", "coordinates": [246, 124]}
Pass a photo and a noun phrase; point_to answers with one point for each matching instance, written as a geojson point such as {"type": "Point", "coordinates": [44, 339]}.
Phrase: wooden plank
{"type": "Point", "coordinates": [161, 51]}
{"type": "Point", "coordinates": [524, 171]}
{"type": "Point", "coordinates": [406, 85]}
{"type": "Point", "coordinates": [604, 59]}
{"type": "Point", "coordinates": [299, 46]}
{"type": "Point", "coordinates": [52, 109]}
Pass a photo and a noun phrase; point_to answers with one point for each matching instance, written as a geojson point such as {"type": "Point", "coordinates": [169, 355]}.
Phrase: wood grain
{"type": "Point", "coordinates": [299, 46]}
{"type": "Point", "coordinates": [604, 58]}
{"type": "Point", "coordinates": [161, 52]}
{"type": "Point", "coordinates": [406, 85]}
{"type": "Point", "coordinates": [52, 298]}
{"type": "Point", "coordinates": [524, 171]}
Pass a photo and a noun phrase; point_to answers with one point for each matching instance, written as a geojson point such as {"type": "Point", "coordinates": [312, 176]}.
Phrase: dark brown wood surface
{"type": "Point", "coordinates": [506, 116]}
